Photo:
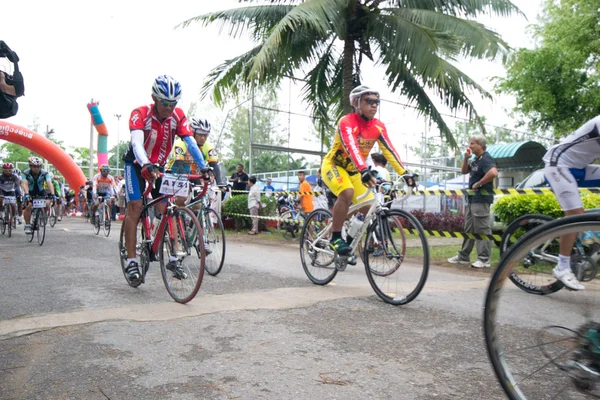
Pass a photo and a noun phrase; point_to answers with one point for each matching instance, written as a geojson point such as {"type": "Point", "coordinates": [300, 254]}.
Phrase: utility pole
{"type": "Point", "coordinates": [48, 134]}
{"type": "Point", "coordinates": [118, 142]}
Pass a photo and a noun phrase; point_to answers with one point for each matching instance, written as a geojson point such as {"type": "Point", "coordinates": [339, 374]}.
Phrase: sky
{"type": "Point", "coordinates": [111, 51]}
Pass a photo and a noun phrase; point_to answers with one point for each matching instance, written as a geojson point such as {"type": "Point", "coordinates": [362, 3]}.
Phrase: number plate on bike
{"type": "Point", "coordinates": [174, 185]}
{"type": "Point", "coordinates": [39, 203]}
{"type": "Point", "coordinates": [10, 200]}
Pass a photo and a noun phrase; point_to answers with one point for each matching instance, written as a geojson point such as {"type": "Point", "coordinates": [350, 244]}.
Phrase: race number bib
{"type": "Point", "coordinates": [178, 186]}
{"type": "Point", "coordinates": [39, 203]}
{"type": "Point", "coordinates": [10, 200]}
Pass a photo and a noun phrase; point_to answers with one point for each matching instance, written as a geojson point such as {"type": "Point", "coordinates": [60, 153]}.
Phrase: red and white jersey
{"type": "Point", "coordinates": [104, 185]}
{"type": "Point", "coordinates": [158, 136]}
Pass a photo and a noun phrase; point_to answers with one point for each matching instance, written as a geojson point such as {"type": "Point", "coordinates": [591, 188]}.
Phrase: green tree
{"type": "Point", "coordinates": [557, 84]}
{"type": "Point", "coordinates": [415, 41]}
{"type": "Point", "coordinates": [15, 153]}
{"type": "Point", "coordinates": [82, 155]}
{"type": "Point", "coordinates": [112, 160]}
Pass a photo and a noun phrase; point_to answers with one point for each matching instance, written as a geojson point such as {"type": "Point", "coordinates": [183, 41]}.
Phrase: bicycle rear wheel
{"type": "Point", "coordinates": [526, 275]}
{"type": "Point", "coordinates": [317, 258]}
{"type": "Point", "coordinates": [182, 282]}
{"type": "Point", "coordinates": [41, 226]}
{"type": "Point", "coordinates": [385, 252]}
{"type": "Point", "coordinates": [544, 347]}
{"type": "Point", "coordinates": [214, 240]}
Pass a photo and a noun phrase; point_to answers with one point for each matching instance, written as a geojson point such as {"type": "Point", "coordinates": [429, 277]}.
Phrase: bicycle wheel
{"type": "Point", "coordinates": [214, 240]}
{"type": "Point", "coordinates": [544, 347]}
{"type": "Point", "coordinates": [97, 219]}
{"type": "Point", "coordinates": [184, 280]}
{"type": "Point", "coordinates": [141, 250]}
{"type": "Point", "coordinates": [385, 254]}
{"type": "Point", "coordinates": [106, 224]}
{"type": "Point", "coordinates": [52, 217]}
{"type": "Point", "coordinates": [34, 224]}
{"type": "Point", "coordinates": [10, 220]}
{"type": "Point", "coordinates": [542, 259]}
{"type": "Point", "coordinates": [3, 224]}
{"type": "Point", "coordinates": [317, 258]}
{"type": "Point", "coordinates": [41, 226]}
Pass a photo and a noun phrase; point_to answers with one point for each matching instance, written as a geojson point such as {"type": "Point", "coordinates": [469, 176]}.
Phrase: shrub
{"type": "Point", "coordinates": [239, 205]}
{"type": "Point", "coordinates": [446, 221]}
{"type": "Point", "coordinates": [511, 207]}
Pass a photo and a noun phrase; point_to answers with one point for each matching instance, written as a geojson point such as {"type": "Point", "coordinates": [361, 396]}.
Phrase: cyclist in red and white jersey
{"type": "Point", "coordinates": [344, 169]}
{"type": "Point", "coordinates": [153, 131]}
{"type": "Point", "coordinates": [569, 167]}
{"type": "Point", "coordinates": [103, 185]}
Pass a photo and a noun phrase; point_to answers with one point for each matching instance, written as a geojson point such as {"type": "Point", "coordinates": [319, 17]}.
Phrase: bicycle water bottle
{"type": "Point", "coordinates": [356, 223]}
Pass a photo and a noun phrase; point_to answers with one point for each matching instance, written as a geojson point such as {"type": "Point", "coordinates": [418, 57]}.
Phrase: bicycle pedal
{"type": "Point", "coordinates": [352, 260]}
{"type": "Point", "coordinates": [341, 262]}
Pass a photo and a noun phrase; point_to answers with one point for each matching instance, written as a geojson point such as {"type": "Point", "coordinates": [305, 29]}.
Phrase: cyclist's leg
{"type": "Point", "coordinates": [565, 189]}
{"type": "Point", "coordinates": [134, 187]}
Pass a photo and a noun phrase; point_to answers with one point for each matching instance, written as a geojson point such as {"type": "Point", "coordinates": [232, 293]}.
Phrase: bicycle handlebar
{"type": "Point", "coordinates": [188, 176]}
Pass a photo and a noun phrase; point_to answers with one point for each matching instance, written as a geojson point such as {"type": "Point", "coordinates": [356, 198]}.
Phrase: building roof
{"type": "Point", "coordinates": [517, 155]}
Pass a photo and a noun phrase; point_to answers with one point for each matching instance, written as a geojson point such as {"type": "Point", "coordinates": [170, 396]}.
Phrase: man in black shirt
{"type": "Point", "coordinates": [239, 179]}
{"type": "Point", "coordinates": [482, 171]}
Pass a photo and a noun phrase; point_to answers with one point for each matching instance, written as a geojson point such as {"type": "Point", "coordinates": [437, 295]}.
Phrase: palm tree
{"type": "Point", "coordinates": [415, 41]}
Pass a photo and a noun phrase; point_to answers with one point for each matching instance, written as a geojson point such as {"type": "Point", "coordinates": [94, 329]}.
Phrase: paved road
{"type": "Point", "coordinates": [70, 328]}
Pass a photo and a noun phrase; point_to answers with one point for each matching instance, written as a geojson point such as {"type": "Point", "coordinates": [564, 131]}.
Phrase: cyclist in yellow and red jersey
{"type": "Point", "coordinates": [103, 185]}
{"type": "Point", "coordinates": [344, 169]}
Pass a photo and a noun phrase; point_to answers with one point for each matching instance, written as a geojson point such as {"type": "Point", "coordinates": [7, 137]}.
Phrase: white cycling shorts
{"type": "Point", "coordinates": [565, 183]}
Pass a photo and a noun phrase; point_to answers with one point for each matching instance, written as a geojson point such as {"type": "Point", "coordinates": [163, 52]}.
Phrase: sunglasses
{"type": "Point", "coordinates": [168, 103]}
{"type": "Point", "coordinates": [372, 101]}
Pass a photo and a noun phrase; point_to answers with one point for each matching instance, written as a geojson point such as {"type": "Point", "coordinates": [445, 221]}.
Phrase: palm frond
{"type": "Point", "coordinates": [318, 16]}
{"type": "Point", "coordinates": [475, 40]}
{"type": "Point", "coordinates": [467, 8]}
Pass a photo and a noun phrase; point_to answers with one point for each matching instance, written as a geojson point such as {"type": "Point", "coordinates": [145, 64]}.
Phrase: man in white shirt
{"type": "Point", "coordinates": [253, 204]}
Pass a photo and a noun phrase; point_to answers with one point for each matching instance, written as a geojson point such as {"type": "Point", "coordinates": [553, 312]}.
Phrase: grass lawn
{"type": "Point", "coordinates": [440, 254]}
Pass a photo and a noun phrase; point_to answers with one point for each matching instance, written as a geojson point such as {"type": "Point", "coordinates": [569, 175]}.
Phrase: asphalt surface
{"type": "Point", "coordinates": [71, 328]}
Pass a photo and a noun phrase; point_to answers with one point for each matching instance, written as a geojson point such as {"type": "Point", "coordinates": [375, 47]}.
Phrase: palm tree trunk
{"type": "Point", "coordinates": [348, 66]}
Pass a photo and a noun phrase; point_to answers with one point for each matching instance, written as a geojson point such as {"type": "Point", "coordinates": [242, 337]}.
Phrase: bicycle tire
{"type": "Point", "coordinates": [3, 224]}
{"type": "Point", "coordinates": [52, 218]}
{"type": "Point", "coordinates": [513, 330]}
{"type": "Point", "coordinates": [107, 222]}
{"type": "Point", "coordinates": [393, 284]}
{"type": "Point", "coordinates": [182, 290]}
{"type": "Point", "coordinates": [314, 261]}
{"type": "Point", "coordinates": [284, 225]}
{"type": "Point", "coordinates": [41, 228]}
{"type": "Point", "coordinates": [144, 261]}
{"type": "Point", "coordinates": [524, 281]}
{"type": "Point", "coordinates": [97, 222]}
{"type": "Point", "coordinates": [11, 218]}
{"type": "Point", "coordinates": [33, 224]}
{"type": "Point", "coordinates": [214, 240]}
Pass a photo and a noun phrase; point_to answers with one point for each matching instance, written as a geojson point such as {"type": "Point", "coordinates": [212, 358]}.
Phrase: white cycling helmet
{"type": "Point", "coordinates": [358, 92]}
{"type": "Point", "coordinates": [166, 88]}
{"type": "Point", "coordinates": [200, 126]}
{"type": "Point", "coordinates": [35, 161]}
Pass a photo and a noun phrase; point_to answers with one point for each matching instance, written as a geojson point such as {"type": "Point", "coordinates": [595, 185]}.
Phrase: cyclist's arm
{"type": "Point", "coordinates": [194, 151]}
{"type": "Point", "coordinates": [137, 143]}
{"type": "Point", "coordinates": [25, 186]}
{"type": "Point", "coordinates": [390, 154]}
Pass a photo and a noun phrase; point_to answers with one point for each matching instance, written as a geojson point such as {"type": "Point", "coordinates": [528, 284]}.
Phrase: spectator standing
{"type": "Point", "coordinates": [482, 171]}
{"type": "Point", "coordinates": [254, 204]}
{"type": "Point", "coordinates": [239, 179]}
{"type": "Point", "coordinates": [306, 200]}
{"type": "Point", "coordinates": [269, 189]}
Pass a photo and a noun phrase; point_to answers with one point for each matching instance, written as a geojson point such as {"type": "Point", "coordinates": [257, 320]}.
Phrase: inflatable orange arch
{"type": "Point", "coordinates": [47, 149]}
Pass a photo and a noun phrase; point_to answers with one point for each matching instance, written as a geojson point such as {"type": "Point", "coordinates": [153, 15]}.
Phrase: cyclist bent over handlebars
{"type": "Point", "coordinates": [153, 130]}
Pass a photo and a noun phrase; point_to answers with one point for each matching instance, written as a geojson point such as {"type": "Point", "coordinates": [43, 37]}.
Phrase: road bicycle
{"type": "Point", "coordinates": [102, 217]}
{"type": "Point", "coordinates": [544, 347]}
{"type": "Point", "coordinates": [38, 219]}
{"type": "Point", "coordinates": [290, 220]}
{"type": "Point", "coordinates": [213, 232]}
{"type": "Point", "coordinates": [533, 274]}
{"type": "Point", "coordinates": [384, 243]}
{"type": "Point", "coordinates": [8, 220]}
{"type": "Point", "coordinates": [183, 281]}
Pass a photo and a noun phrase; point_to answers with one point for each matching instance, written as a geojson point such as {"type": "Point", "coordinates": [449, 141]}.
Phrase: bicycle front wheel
{"type": "Point", "coordinates": [395, 280]}
{"type": "Point", "coordinates": [214, 240]}
{"type": "Point", "coordinates": [182, 264]}
{"type": "Point", "coordinates": [10, 220]}
{"type": "Point", "coordinates": [315, 254]}
{"type": "Point", "coordinates": [3, 223]}
{"type": "Point", "coordinates": [41, 226]}
{"type": "Point", "coordinates": [52, 217]}
{"type": "Point", "coordinates": [545, 347]}
{"type": "Point", "coordinates": [106, 224]}
{"type": "Point", "coordinates": [541, 259]}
